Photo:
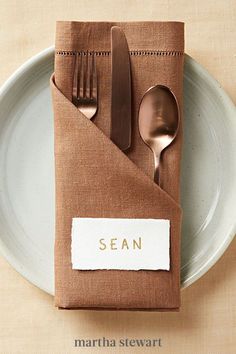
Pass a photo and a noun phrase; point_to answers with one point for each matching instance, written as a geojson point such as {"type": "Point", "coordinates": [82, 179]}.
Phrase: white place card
{"type": "Point", "coordinates": [127, 244]}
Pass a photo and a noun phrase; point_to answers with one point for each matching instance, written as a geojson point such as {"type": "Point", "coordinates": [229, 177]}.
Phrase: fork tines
{"type": "Point", "coordinates": [84, 93]}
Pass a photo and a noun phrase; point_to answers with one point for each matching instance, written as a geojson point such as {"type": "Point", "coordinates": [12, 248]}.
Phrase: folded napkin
{"type": "Point", "coordinates": [95, 179]}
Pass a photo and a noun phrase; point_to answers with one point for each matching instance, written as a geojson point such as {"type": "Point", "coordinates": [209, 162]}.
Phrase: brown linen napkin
{"type": "Point", "coordinates": [95, 179]}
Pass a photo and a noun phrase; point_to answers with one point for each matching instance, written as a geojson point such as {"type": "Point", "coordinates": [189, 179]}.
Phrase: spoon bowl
{"type": "Point", "coordinates": [158, 121]}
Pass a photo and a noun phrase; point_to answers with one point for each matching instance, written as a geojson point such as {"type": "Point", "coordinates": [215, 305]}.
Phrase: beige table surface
{"type": "Point", "coordinates": [207, 322]}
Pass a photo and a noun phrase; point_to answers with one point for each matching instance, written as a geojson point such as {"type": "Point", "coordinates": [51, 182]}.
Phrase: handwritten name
{"type": "Point", "coordinates": [114, 244]}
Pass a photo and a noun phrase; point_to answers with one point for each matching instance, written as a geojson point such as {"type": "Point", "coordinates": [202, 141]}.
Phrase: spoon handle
{"type": "Point", "coordinates": [156, 168]}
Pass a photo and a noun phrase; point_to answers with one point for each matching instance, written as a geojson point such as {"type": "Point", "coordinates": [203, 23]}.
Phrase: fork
{"type": "Point", "coordinates": [84, 93]}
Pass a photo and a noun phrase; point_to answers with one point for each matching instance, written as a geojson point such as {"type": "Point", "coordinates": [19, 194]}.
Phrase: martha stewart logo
{"type": "Point", "coordinates": [122, 342]}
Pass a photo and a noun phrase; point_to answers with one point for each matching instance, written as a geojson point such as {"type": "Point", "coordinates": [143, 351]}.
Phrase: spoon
{"type": "Point", "coordinates": [158, 121]}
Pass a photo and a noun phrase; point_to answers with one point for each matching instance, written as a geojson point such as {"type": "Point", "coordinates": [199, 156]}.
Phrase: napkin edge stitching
{"type": "Point", "coordinates": [135, 52]}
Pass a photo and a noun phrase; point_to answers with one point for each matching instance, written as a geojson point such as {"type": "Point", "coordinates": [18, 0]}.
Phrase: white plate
{"type": "Point", "coordinates": [27, 172]}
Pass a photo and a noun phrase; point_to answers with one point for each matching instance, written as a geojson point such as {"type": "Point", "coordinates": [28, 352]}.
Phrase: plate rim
{"type": "Point", "coordinates": [47, 53]}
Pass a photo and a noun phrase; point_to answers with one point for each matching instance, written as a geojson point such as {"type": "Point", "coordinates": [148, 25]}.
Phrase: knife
{"type": "Point", "coordinates": [121, 90]}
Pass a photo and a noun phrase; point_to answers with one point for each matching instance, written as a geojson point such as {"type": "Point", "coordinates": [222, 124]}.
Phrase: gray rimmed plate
{"type": "Point", "coordinates": [27, 172]}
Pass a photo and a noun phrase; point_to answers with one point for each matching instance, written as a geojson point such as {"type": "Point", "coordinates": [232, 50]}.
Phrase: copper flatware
{"type": "Point", "coordinates": [121, 90]}
{"type": "Point", "coordinates": [158, 121]}
{"type": "Point", "coordinates": [84, 93]}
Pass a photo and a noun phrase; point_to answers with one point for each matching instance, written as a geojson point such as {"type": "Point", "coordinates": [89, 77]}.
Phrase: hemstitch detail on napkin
{"type": "Point", "coordinates": [106, 53]}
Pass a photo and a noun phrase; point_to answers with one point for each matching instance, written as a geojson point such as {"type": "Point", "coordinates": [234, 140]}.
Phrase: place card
{"type": "Point", "coordinates": [125, 244]}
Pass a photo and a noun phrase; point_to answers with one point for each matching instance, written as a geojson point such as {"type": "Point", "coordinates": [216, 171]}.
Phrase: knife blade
{"type": "Point", "coordinates": [121, 90]}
